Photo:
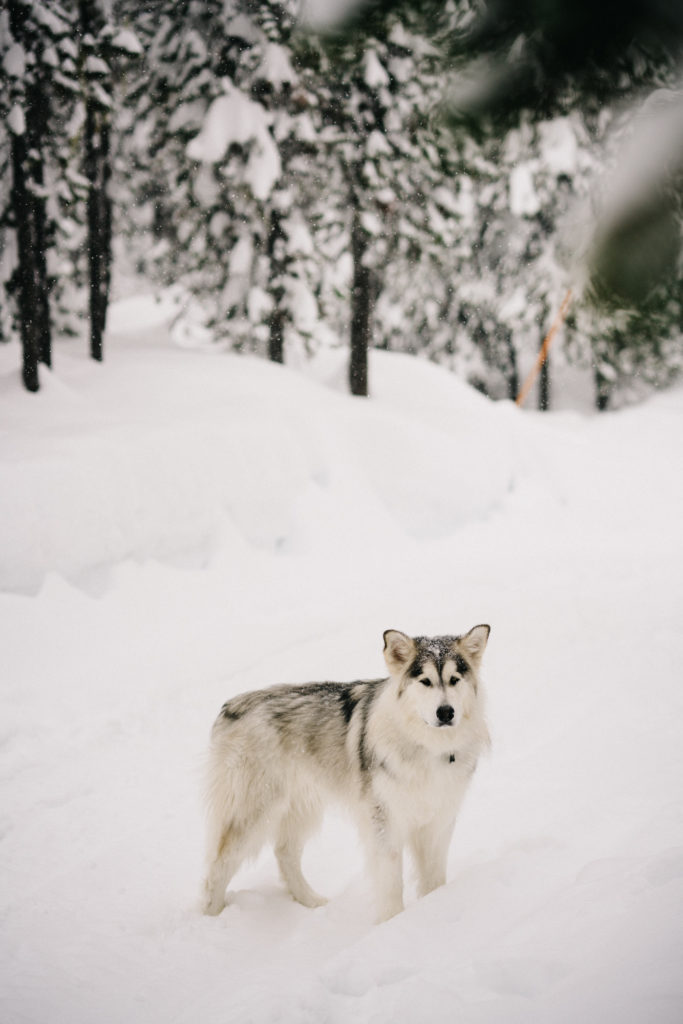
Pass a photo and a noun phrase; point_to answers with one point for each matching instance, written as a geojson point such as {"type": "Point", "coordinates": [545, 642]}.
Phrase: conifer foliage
{"type": "Point", "coordinates": [31, 39]}
{"type": "Point", "coordinates": [300, 191]}
{"type": "Point", "coordinates": [57, 98]}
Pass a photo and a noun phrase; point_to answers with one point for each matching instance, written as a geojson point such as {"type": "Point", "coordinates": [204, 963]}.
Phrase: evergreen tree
{"type": "Point", "coordinates": [57, 99]}
{"type": "Point", "coordinates": [281, 161]}
{"type": "Point", "coordinates": [378, 93]}
{"type": "Point", "coordinates": [220, 116]}
{"type": "Point", "coordinates": [30, 38]}
{"type": "Point", "coordinates": [548, 68]}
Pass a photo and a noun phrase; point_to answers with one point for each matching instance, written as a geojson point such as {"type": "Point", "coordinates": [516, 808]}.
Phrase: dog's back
{"type": "Point", "coordinates": [291, 725]}
{"type": "Point", "coordinates": [276, 757]}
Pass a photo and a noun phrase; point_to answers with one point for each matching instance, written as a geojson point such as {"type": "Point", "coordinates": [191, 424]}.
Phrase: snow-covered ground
{"type": "Point", "coordinates": [176, 527]}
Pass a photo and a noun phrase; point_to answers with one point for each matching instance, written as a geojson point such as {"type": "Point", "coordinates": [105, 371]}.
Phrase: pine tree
{"type": "Point", "coordinates": [379, 93]}
{"type": "Point", "coordinates": [281, 161]}
{"type": "Point", "coordinates": [57, 97]}
{"type": "Point", "coordinates": [217, 106]}
{"type": "Point", "coordinates": [31, 33]}
{"type": "Point", "coordinates": [545, 68]}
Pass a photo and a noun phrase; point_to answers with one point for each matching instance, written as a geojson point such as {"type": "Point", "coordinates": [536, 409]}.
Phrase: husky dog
{"type": "Point", "coordinates": [398, 751]}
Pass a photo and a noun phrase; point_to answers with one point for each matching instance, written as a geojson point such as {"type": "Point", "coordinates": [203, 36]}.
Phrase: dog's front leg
{"type": "Point", "coordinates": [385, 856]}
{"type": "Point", "coordinates": [388, 875]}
{"type": "Point", "coordinates": [429, 846]}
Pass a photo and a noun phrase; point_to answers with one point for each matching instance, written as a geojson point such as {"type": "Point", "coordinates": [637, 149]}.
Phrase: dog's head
{"type": "Point", "coordinates": [437, 676]}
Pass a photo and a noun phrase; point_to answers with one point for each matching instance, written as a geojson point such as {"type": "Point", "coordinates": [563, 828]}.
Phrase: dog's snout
{"type": "Point", "coordinates": [445, 714]}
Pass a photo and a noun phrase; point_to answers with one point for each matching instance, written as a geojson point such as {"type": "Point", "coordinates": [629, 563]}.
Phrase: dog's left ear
{"type": "Point", "coordinates": [398, 650]}
{"type": "Point", "coordinates": [474, 643]}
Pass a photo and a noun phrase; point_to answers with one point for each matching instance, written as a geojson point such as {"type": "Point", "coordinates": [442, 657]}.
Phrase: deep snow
{"type": "Point", "coordinates": [180, 526]}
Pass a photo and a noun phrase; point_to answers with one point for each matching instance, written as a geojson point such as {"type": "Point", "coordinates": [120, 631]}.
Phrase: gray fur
{"type": "Point", "coordinates": [279, 755]}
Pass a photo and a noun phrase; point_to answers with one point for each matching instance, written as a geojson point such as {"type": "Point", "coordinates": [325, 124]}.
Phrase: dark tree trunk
{"type": "Point", "coordinates": [276, 337]}
{"type": "Point", "coordinates": [98, 173]}
{"type": "Point", "coordinates": [513, 370]}
{"type": "Point", "coordinates": [361, 309]}
{"type": "Point", "coordinates": [278, 317]}
{"type": "Point", "coordinates": [29, 278]}
{"type": "Point", "coordinates": [28, 203]}
{"type": "Point", "coordinates": [603, 391]}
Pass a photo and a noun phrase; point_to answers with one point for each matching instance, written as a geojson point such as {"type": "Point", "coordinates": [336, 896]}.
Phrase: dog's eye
{"type": "Point", "coordinates": [426, 682]}
{"type": "Point", "coordinates": [453, 680]}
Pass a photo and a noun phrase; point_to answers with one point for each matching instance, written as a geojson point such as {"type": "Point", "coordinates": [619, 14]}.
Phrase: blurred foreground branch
{"type": "Point", "coordinates": [506, 56]}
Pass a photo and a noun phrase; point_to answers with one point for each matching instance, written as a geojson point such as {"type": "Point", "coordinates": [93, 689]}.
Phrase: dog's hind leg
{"type": "Point", "coordinates": [224, 859]}
{"type": "Point", "coordinates": [297, 824]}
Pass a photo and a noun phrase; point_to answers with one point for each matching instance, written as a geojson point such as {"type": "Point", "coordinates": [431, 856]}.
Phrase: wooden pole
{"type": "Point", "coordinates": [545, 348]}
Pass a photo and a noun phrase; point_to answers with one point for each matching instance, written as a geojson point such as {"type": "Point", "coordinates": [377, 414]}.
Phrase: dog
{"type": "Point", "coordinates": [399, 752]}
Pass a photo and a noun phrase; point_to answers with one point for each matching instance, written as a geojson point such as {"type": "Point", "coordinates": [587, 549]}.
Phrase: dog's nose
{"type": "Point", "coordinates": [445, 714]}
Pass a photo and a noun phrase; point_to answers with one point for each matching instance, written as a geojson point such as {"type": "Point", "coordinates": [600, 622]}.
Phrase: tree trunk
{"type": "Point", "coordinates": [361, 309]}
{"type": "Point", "coordinates": [29, 278]}
{"type": "Point", "coordinates": [278, 317]}
{"type": "Point", "coordinates": [512, 369]}
{"type": "Point", "coordinates": [544, 387]}
{"type": "Point", "coordinates": [602, 391]}
{"type": "Point", "coordinates": [98, 173]}
{"type": "Point", "coordinates": [276, 337]}
{"type": "Point", "coordinates": [28, 203]}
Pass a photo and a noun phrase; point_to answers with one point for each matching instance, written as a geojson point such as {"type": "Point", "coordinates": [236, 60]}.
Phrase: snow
{"type": "Point", "coordinates": [128, 42]}
{"type": "Point", "coordinates": [14, 61]}
{"type": "Point", "coordinates": [558, 145]}
{"type": "Point", "coordinates": [374, 72]}
{"type": "Point", "coordinates": [234, 118]}
{"type": "Point", "coordinates": [276, 67]}
{"type": "Point", "coordinates": [96, 66]}
{"type": "Point", "coordinates": [179, 527]}
{"type": "Point", "coordinates": [524, 201]}
{"type": "Point", "coordinates": [16, 122]}
{"type": "Point", "coordinates": [377, 145]}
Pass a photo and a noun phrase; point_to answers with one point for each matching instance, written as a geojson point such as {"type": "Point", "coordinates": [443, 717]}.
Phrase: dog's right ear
{"type": "Point", "coordinates": [398, 650]}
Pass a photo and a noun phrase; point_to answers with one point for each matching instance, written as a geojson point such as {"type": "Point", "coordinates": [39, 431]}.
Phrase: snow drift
{"type": "Point", "coordinates": [178, 527]}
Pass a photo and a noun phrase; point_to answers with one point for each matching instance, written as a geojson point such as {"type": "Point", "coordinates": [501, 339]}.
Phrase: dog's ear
{"type": "Point", "coordinates": [398, 650]}
{"type": "Point", "coordinates": [474, 642]}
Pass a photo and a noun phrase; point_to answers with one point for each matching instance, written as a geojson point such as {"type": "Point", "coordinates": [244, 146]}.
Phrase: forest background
{"type": "Point", "coordinates": [299, 190]}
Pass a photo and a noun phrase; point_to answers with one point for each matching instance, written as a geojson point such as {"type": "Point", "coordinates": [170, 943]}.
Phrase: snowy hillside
{"type": "Point", "coordinates": [178, 527]}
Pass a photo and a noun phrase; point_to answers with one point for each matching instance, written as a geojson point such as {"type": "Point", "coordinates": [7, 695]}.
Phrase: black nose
{"type": "Point", "coordinates": [445, 713]}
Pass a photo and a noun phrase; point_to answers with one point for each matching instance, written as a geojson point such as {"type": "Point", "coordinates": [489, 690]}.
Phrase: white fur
{"type": "Point", "coordinates": [278, 756]}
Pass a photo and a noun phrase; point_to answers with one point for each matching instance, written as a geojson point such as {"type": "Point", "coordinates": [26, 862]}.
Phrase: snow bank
{"type": "Point", "coordinates": [193, 525]}
{"type": "Point", "coordinates": [150, 457]}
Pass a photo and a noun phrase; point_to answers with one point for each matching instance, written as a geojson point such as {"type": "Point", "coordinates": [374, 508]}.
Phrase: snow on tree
{"type": "Point", "coordinates": [57, 95]}
{"type": "Point", "coordinates": [302, 192]}
{"type": "Point", "coordinates": [296, 180]}
{"type": "Point", "coordinates": [218, 125]}
{"type": "Point", "coordinates": [377, 95]}
{"type": "Point", "coordinates": [36, 64]}
{"type": "Point", "coordinates": [520, 71]}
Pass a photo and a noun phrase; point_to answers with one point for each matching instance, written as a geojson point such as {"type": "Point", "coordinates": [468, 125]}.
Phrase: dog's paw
{"type": "Point", "coordinates": [212, 904]}
{"type": "Point", "coordinates": [309, 898]}
{"type": "Point", "coordinates": [386, 912]}
{"type": "Point", "coordinates": [212, 909]}
{"type": "Point", "coordinates": [314, 900]}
